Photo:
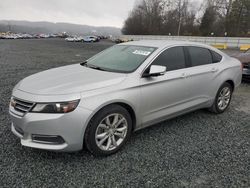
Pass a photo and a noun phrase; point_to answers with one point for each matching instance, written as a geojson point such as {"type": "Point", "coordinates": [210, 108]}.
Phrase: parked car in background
{"type": "Point", "coordinates": [127, 87]}
{"type": "Point", "coordinates": [9, 35]}
{"type": "Point", "coordinates": [245, 60]}
{"type": "Point", "coordinates": [91, 39]}
{"type": "Point", "coordinates": [103, 37]}
{"type": "Point", "coordinates": [70, 39]}
{"type": "Point", "coordinates": [74, 39]}
{"type": "Point", "coordinates": [122, 40]}
{"type": "Point", "coordinates": [98, 38]}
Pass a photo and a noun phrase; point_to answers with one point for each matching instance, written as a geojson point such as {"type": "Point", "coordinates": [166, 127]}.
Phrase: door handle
{"type": "Point", "coordinates": [214, 69]}
{"type": "Point", "coordinates": [183, 75]}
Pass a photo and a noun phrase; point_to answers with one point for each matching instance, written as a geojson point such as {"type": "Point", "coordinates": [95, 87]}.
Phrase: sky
{"type": "Point", "coordinates": [84, 12]}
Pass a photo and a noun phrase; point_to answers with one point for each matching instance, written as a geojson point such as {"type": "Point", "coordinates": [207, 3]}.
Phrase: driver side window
{"type": "Point", "coordinates": [172, 58]}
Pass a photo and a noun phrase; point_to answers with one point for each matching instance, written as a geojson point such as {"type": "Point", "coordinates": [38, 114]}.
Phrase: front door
{"type": "Point", "coordinates": [165, 95]}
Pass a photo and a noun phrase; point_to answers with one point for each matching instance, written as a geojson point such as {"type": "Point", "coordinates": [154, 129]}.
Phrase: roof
{"type": "Point", "coordinates": [161, 43]}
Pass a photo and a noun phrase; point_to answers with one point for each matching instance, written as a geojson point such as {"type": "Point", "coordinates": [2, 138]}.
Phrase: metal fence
{"type": "Point", "coordinates": [231, 42]}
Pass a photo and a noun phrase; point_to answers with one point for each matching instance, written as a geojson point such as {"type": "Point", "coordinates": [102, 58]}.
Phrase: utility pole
{"type": "Point", "coordinates": [228, 10]}
{"type": "Point", "coordinates": [9, 27]}
{"type": "Point", "coordinates": [179, 25]}
{"type": "Point", "coordinates": [239, 20]}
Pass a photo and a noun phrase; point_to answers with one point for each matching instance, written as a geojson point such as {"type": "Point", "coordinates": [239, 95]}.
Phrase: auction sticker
{"type": "Point", "coordinates": [141, 52]}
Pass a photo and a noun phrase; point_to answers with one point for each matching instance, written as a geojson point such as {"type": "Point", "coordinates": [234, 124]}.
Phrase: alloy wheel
{"type": "Point", "coordinates": [111, 132]}
{"type": "Point", "coordinates": [224, 98]}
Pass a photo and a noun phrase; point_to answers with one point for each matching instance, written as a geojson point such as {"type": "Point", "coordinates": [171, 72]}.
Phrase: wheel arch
{"type": "Point", "coordinates": [231, 82]}
{"type": "Point", "coordinates": [124, 104]}
{"type": "Point", "coordinates": [130, 111]}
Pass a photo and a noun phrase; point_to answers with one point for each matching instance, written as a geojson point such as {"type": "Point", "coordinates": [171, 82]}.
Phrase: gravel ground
{"type": "Point", "coordinates": [199, 149]}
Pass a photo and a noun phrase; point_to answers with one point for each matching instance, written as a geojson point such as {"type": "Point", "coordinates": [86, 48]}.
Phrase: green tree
{"type": "Point", "coordinates": [178, 17]}
{"type": "Point", "coordinates": [207, 21]}
{"type": "Point", "coordinates": [146, 18]}
{"type": "Point", "coordinates": [239, 18]}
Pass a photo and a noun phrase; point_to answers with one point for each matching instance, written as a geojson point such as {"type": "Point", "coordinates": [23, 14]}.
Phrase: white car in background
{"type": "Point", "coordinates": [74, 39]}
{"type": "Point", "coordinates": [91, 39]}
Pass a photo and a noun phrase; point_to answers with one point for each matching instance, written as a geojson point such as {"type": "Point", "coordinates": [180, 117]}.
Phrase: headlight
{"type": "Point", "coordinates": [60, 107]}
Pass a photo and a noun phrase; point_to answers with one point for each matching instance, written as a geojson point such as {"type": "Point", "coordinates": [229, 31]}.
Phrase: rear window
{"type": "Point", "coordinates": [216, 57]}
{"type": "Point", "coordinates": [200, 56]}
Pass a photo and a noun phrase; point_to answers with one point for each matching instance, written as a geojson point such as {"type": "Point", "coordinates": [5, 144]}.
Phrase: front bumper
{"type": "Point", "coordinates": [70, 127]}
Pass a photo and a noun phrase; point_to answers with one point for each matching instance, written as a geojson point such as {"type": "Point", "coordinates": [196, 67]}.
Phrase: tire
{"type": "Point", "coordinates": [217, 107]}
{"type": "Point", "coordinates": [103, 127]}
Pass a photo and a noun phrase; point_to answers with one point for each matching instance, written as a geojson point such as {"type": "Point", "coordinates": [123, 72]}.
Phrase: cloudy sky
{"type": "Point", "coordinates": [89, 12]}
{"type": "Point", "coordinates": [85, 12]}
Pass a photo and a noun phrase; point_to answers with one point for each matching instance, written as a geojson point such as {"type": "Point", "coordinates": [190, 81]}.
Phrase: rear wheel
{"type": "Point", "coordinates": [108, 130]}
{"type": "Point", "coordinates": [223, 99]}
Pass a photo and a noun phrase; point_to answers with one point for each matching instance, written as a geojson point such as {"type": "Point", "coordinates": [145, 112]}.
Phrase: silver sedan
{"type": "Point", "coordinates": [127, 87]}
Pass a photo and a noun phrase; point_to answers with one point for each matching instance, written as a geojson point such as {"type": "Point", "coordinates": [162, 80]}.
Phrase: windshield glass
{"type": "Point", "coordinates": [121, 58]}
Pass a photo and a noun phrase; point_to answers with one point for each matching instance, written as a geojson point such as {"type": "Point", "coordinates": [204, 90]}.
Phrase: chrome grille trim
{"type": "Point", "coordinates": [22, 106]}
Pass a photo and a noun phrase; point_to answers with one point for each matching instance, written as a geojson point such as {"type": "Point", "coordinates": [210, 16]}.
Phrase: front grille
{"type": "Point", "coordinates": [21, 105]}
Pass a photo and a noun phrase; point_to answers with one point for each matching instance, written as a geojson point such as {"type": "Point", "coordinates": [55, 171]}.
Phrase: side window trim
{"type": "Point", "coordinates": [189, 56]}
{"type": "Point", "coordinates": [213, 58]}
{"type": "Point", "coordinates": [164, 50]}
{"type": "Point", "coordinates": [157, 55]}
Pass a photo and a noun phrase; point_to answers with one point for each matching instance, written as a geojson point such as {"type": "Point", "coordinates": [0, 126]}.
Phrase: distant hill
{"type": "Point", "coordinates": [49, 27]}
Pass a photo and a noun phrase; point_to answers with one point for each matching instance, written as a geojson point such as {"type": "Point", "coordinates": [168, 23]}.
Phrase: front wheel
{"type": "Point", "coordinates": [108, 130]}
{"type": "Point", "coordinates": [222, 99]}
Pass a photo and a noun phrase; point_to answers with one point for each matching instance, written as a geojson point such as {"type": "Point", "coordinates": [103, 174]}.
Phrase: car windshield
{"type": "Point", "coordinates": [121, 58]}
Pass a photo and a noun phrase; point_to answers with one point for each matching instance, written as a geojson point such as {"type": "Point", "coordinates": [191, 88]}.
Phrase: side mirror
{"type": "Point", "coordinates": [155, 70]}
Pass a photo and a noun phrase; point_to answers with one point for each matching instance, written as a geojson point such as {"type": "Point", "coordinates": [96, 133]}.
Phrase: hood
{"type": "Point", "coordinates": [69, 79]}
{"type": "Point", "coordinates": [243, 57]}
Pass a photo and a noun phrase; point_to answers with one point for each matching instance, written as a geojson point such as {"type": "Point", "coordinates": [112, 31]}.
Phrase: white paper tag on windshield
{"type": "Point", "coordinates": [140, 52]}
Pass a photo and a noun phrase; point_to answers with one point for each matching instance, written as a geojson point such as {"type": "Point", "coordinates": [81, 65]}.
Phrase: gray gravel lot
{"type": "Point", "coordinates": [199, 149]}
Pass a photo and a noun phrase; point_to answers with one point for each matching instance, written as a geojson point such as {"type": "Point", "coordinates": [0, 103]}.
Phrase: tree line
{"type": "Point", "coordinates": [184, 17]}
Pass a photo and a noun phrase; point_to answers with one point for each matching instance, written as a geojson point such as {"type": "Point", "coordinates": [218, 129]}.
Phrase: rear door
{"type": "Point", "coordinates": [202, 74]}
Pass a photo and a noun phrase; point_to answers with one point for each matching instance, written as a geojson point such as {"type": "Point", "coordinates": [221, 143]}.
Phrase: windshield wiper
{"type": "Point", "coordinates": [85, 63]}
{"type": "Point", "coordinates": [96, 67]}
